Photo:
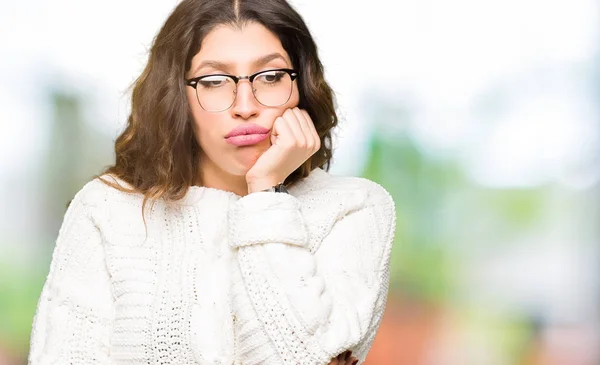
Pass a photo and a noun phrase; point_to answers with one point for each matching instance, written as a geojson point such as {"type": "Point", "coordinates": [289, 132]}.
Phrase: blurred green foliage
{"type": "Point", "coordinates": [441, 212]}
{"type": "Point", "coordinates": [19, 291]}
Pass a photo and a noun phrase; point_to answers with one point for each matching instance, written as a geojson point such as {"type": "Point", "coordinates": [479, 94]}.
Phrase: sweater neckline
{"type": "Point", "coordinates": [197, 193]}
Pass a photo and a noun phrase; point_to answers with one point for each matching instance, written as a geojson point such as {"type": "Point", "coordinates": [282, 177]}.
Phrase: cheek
{"type": "Point", "coordinates": [205, 135]}
{"type": "Point", "coordinates": [295, 98]}
{"type": "Point", "coordinates": [201, 126]}
{"type": "Point", "coordinates": [190, 93]}
{"type": "Point", "coordinates": [201, 122]}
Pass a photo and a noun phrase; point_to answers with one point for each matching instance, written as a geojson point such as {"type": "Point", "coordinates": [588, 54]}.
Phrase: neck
{"type": "Point", "coordinates": [211, 176]}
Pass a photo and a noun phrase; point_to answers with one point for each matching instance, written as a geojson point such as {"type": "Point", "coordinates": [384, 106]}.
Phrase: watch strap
{"type": "Point", "coordinates": [279, 188]}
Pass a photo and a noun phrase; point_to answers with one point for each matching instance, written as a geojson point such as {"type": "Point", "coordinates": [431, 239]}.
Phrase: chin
{"type": "Point", "coordinates": [247, 157]}
{"type": "Point", "coordinates": [238, 167]}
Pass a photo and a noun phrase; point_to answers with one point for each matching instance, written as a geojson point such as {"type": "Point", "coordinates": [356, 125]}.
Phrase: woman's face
{"type": "Point", "coordinates": [237, 52]}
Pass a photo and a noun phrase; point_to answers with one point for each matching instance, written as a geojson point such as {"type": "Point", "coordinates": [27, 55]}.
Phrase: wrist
{"type": "Point", "coordinates": [257, 185]}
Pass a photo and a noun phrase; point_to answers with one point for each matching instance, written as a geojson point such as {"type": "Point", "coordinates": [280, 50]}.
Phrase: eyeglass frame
{"type": "Point", "coordinates": [193, 82]}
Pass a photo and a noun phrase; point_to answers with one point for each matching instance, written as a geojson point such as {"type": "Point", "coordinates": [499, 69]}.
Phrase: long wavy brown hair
{"type": "Point", "coordinates": [157, 153]}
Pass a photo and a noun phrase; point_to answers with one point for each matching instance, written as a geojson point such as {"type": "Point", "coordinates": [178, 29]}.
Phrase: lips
{"type": "Point", "coordinates": [247, 134]}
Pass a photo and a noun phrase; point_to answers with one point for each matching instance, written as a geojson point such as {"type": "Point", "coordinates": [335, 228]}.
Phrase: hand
{"type": "Point", "coordinates": [294, 140]}
{"type": "Point", "coordinates": [345, 358]}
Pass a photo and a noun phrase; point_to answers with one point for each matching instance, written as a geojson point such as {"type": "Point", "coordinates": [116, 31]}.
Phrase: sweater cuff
{"type": "Point", "coordinates": [267, 217]}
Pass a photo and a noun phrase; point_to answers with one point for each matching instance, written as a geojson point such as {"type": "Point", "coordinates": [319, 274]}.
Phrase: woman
{"type": "Point", "coordinates": [250, 252]}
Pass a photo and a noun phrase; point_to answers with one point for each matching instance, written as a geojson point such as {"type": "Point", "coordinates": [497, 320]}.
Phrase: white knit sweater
{"type": "Point", "coordinates": [269, 278]}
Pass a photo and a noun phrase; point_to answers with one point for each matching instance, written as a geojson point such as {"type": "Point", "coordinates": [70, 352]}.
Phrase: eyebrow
{"type": "Point", "coordinates": [256, 63]}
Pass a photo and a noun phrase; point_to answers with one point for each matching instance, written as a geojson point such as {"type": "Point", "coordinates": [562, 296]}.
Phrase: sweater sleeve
{"type": "Point", "coordinates": [73, 319]}
{"type": "Point", "coordinates": [313, 306]}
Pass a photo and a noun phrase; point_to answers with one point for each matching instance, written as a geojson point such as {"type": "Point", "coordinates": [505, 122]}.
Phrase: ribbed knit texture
{"type": "Point", "coordinates": [218, 279]}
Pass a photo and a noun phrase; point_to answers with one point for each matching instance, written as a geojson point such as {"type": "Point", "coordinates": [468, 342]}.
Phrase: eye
{"type": "Point", "coordinates": [271, 77]}
{"type": "Point", "coordinates": [214, 81]}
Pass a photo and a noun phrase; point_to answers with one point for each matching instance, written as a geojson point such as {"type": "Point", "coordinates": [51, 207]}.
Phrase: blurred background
{"type": "Point", "coordinates": [482, 119]}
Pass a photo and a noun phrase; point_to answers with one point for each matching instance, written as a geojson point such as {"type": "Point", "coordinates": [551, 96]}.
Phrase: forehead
{"type": "Point", "coordinates": [238, 46]}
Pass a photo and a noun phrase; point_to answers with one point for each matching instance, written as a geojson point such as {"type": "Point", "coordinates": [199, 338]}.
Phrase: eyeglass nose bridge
{"type": "Point", "coordinates": [237, 79]}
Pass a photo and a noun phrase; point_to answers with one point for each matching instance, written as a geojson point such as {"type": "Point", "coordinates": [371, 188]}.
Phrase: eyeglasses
{"type": "Point", "coordinates": [216, 93]}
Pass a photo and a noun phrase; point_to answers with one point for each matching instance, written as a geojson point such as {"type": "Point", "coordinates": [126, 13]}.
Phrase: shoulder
{"type": "Point", "coordinates": [115, 213]}
{"type": "Point", "coordinates": [101, 199]}
{"type": "Point", "coordinates": [327, 187]}
{"type": "Point", "coordinates": [92, 194]}
{"type": "Point", "coordinates": [102, 190]}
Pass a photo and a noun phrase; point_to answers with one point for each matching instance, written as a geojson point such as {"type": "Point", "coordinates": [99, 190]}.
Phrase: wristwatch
{"type": "Point", "coordinates": [279, 188]}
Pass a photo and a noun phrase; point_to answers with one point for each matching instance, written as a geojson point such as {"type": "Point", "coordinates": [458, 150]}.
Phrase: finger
{"type": "Point", "coordinates": [311, 126]}
{"type": "Point", "coordinates": [303, 122]}
{"type": "Point", "coordinates": [274, 132]}
{"type": "Point", "coordinates": [308, 134]}
{"type": "Point", "coordinates": [348, 357]}
{"type": "Point", "coordinates": [283, 133]}
{"type": "Point", "coordinates": [294, 125]}
{"type": "Point", "coordinates": [311, 123]}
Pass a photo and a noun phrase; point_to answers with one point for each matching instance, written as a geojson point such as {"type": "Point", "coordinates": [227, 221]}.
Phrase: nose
{"type": "Point", "coordinates": [245, 104]}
